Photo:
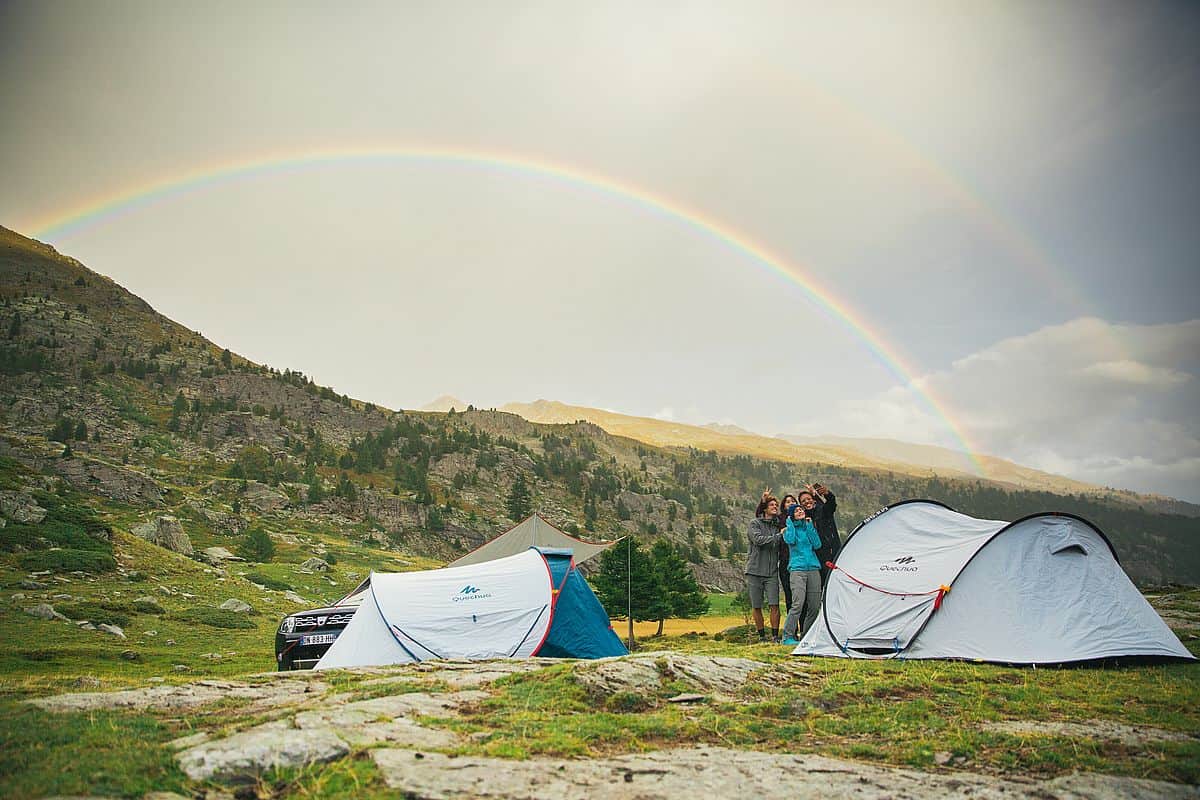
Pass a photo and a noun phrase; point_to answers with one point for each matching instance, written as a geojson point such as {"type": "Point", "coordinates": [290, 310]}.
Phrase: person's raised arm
{"type": "Point", "coordinates": [814, 538]}
{"type": "Point", "coordinates": [790, 534]}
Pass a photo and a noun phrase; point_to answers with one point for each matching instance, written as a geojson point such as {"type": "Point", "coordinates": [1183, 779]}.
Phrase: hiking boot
{"type": "Point", "coordinates": [791, 641]}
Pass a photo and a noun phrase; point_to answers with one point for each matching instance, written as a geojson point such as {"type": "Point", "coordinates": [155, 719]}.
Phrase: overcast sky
{"type": "Point", "coordinates": [1006, 193]}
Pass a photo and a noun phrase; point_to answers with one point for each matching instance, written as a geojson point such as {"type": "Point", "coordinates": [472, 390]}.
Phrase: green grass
{"type": "Point", "coordinates": [95, 754]}
{"type": "Point", "coordinates": [723, 604]}
{"type": "Point", "coordinates": [215, 618]}
{"type": "Point", "coordinates": [899, 713]}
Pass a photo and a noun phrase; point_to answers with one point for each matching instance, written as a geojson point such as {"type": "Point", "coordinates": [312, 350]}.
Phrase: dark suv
{"type": "Point", "coordinates": [304, 637]}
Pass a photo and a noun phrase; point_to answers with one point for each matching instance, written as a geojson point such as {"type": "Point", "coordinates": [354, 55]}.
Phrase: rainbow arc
{"type": "Point", "coordinates": [109, 206]}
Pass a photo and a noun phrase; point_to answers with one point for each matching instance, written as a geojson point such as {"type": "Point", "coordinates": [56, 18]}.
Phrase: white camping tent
{"type": "Point", "coordinates": [501, 609]}
{"type": "Point", "coordinates": [920, 580]}
{"type": "Point", "coordinates": [533, 531]}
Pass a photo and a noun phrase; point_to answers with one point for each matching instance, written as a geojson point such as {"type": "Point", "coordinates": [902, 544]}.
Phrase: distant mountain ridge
{"type": "Point", "coordinates": [902, 457]}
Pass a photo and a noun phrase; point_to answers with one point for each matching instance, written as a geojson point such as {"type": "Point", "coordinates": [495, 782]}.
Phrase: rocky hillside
{"type": "Point", "coordinates": [103, 397]}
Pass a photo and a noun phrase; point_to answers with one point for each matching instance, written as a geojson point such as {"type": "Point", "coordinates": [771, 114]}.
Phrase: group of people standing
{"type": "Point", "coordinates": [791, 543]}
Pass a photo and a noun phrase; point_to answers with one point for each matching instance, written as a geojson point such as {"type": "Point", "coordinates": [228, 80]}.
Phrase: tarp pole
{"type": "Point", "coordinates": [629, 590]}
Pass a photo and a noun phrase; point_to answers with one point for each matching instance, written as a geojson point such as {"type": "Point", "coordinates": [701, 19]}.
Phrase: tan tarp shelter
{"type": "Point", "coordinates": [531, 532]}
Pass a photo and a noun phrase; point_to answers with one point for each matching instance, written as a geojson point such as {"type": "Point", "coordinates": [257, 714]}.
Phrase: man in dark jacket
{"type": "Point", "coordinates": [821, 504]}
{"type": "Point", "coordinates": [762, 567]}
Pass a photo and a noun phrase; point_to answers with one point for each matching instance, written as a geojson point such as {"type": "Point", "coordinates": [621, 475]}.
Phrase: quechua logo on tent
{"type": "Point", "coordinates": [470, 592]}
{"type": "Point", "coordinates": [901, 564]}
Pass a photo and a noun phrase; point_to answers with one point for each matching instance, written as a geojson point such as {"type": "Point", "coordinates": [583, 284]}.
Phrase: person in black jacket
{"type": "Point", "coordinates": [821, 505]}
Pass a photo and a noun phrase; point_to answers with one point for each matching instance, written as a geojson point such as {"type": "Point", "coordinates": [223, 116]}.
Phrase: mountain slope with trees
{"type": "Point", "coordinates": [102, 395]}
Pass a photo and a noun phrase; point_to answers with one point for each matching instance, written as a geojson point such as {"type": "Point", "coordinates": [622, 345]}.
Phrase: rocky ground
{"type": "Point", "coordinates": [403, 721]}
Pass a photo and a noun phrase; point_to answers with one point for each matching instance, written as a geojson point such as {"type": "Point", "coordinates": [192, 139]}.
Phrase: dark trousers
{"type": "Point", "coordinates": [785, 579]}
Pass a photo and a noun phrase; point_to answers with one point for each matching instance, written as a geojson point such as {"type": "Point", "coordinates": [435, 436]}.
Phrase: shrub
{"type": "Point", "coordinates": [268, 581]}
{"type": "Point", "coordinates": [68, 560]}
{"type": "Point", "coordinates": [214, 617]}
{"type": "Point", "coordinates": [257, 546]}
{"type": "Point", "coordinates": [107, 613]}
{"type": "Point", "coordinates": [148, 606]}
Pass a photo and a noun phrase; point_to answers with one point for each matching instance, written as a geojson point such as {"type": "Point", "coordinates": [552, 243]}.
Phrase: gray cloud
{"type": "Point", "coordinates": [1099, 401]}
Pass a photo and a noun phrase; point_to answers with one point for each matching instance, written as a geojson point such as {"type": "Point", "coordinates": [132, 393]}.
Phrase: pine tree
{"type": "Point", "coordinates": [62, 430]}
{"type": "Point", "coordinates": [434, 520]}
{"type": "Point", "coordinates": [684, 596]}
{"type": "Point", "coordinates": [316, 490]}
{"type": "Point", "coordinates": [636, 586]}
{"type": "Point", "coordinates": [257, 546]}
{"type": "Point", "coordinates": [622, 510]}
{"type": "Point", "coordinates": [520, 501]}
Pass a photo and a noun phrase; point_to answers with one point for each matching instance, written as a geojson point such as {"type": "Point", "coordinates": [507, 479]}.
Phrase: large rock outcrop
{"type": "Point", "coordinates": [20, 507]}
{"type": "Point", "coordinates": [166, 532]}
{"type": "Point", "coordinates": [109, 480]}
{"type": "Point", "coordinates": [714, 772]}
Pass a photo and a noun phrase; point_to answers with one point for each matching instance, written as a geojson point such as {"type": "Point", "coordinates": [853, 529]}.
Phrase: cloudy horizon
{"type": "Point", "coordinates": [996, 201]}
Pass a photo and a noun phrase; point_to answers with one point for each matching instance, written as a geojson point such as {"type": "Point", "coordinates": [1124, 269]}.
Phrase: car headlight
{"type": "Point", "coordinates": [288, 625]}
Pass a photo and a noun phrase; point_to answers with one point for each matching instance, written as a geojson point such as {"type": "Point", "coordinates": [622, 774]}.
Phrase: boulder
{"type": "Point", "coordinates": [292, 597]}
{"type": "Point", "coordinates": [263, 498]}
{"type": "Point", "coordinates": [20, 507]}
{"type": "Point", "coordinates": [114, 630]}
{"type": "Point", "coordinates": [218, 556]}
{"type": "Point", "coordinates": [237, 606]}
{"type": "Point", "coordinates": [45, 611]}
{"type": "Point", "coordinates": [315, 565]}
{"type": "Point", "coordinates": [166, 532]}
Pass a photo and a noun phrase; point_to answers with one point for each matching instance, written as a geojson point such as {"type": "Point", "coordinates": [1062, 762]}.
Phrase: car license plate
{"type": "Point", "coordinates": [318, 638]}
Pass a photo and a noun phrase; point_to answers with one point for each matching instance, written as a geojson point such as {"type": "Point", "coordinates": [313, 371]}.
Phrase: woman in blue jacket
{"type": "Point", "coordinates": [803, 541]}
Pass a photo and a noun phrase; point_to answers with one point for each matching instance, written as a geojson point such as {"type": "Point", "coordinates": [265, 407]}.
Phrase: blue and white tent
{"type": "Point", "coordinates": [528, 604]}
{"type": "Point", "coordinates": [920, 580]}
